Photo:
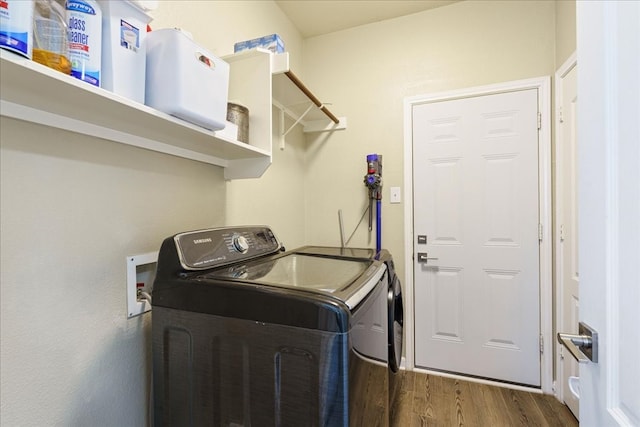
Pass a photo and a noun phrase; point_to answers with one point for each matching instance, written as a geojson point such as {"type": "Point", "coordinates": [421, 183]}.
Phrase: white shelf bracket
{"type": "Point", "coordinates": [283, 133]}
{"type": "Point", "coordinates": [299, 119]}
{"type": "Point", "coordinates": [324, 125]}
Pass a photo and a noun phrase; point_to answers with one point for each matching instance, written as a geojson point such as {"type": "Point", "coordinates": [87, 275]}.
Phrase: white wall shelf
{"type": "Point", "coordinates": [32, 92]}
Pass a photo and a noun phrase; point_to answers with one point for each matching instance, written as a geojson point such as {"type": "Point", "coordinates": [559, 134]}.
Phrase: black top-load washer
{"type": "Point", "coordinates": [245, 334]}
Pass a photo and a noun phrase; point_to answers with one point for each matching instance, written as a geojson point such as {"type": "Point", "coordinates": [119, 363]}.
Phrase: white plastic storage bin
{"type": "Point", "coordinates": [124, 30]}
{"type": "Point", "coordinates": [185, 80]}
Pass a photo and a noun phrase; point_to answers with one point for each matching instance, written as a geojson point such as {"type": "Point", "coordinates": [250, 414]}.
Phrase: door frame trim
{"type": "Point", "coordinates": [565, 68]}
{"type": "Point", "coordinates": [543, 85]}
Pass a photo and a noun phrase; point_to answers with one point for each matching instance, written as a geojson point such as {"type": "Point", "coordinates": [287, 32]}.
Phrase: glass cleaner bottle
{"type": "Point", "coordinates": [84, 28]}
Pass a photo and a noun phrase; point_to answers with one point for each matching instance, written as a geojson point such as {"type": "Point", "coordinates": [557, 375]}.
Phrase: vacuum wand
{"type": "Point", "coordinates": [370, 214]}
{"type": "Point", "coordinates": [373, 181]}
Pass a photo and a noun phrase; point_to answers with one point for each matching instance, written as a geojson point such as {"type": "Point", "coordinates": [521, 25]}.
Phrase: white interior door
{"type": "Point", "coordinates": [475, 166]}
{"type": "Point", "coordinates": [567, 208]}
{"type": "Point", "coordinates": [608, 47]}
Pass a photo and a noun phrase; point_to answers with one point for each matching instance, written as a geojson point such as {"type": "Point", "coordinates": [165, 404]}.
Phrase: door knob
{"type": "Point", "coordinates": [424, 257]}
{"type": "Point", "coordinates": [584, 346]}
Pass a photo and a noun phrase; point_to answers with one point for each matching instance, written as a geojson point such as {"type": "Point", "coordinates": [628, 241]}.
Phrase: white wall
{"type": "Point", "coordinates": [367, 71]}
{"type": "Point", "coordinates": [72, 209]}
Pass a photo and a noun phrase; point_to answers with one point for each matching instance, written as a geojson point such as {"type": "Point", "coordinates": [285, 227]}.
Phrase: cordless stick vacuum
{"type": "Point", "coordinates": [373, 181]}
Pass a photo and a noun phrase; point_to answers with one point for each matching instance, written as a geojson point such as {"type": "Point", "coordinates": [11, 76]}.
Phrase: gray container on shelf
{"type": "Point", "coordinates": [239, 115]}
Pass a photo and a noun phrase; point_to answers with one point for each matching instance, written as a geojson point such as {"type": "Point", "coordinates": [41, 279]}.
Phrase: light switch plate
{"type": "Point", "coordinates": [394, 195]}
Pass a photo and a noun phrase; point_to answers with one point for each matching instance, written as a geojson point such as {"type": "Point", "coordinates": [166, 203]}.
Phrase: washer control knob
{"type": "Point", "coordinates": [240, 244]}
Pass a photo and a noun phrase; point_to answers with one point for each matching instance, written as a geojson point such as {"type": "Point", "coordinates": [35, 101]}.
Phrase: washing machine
{"type": "Point", "coordinates": [247, 334]}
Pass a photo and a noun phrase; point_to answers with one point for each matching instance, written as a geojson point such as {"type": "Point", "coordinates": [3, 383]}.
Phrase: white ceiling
{"type": "Point", "coordinates": [317, 17]}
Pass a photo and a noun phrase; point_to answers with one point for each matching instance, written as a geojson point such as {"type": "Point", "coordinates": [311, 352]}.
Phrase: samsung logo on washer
{"type": "Point", "coordinates": [199, 241]}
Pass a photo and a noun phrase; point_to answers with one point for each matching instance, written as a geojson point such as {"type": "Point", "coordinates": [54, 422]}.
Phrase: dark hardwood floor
{"type": "Point", "coordinates": [428, 400]}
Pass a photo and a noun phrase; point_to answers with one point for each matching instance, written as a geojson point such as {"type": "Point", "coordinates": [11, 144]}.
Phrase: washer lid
{"type": "Point", "coordinates": [347, 279]}
{"type": "Point", "coordinates": [338, 252]}
{"type": "Point", "coordinates": [298, 271]}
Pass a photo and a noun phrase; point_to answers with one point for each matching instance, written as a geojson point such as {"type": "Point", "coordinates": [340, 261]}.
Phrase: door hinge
{"type": "Point", "coordinates": [539, 120]}
{"type": "Point", "coordinates": [540, 232]}
{"type": "Point", "coordinates": [560, 117]}
{"type": "Point", "coordinates": [541, 344]}
{"type": "Point", "coordinates": [562, 232]}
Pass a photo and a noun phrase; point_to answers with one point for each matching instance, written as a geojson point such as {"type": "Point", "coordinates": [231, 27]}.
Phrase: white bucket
{"type": "Point", "coordinates": [124, 30]}
{"type": "Point", "coordinates": [16, 26]}
{"type": "Point", "coordinates": [185, 80]}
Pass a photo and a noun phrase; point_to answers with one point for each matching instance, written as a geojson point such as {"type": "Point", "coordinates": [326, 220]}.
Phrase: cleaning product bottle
{"type": "Point", "coordinates": [85, 39]}
{"type": "Point", "coordinates": [50, 35]}
{"type": "Point", "coordinates": [16, 26]}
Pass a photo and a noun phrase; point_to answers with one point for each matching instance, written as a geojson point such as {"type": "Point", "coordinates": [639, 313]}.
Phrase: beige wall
{"type": "Point", "coordinates": [277, 198]}
{"type": "Point", "coordinates": [73, 207]}
{"type": "Point", "coordinates": [367, 71]}
{"type": "Point", "coordinates": [565, 30]}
